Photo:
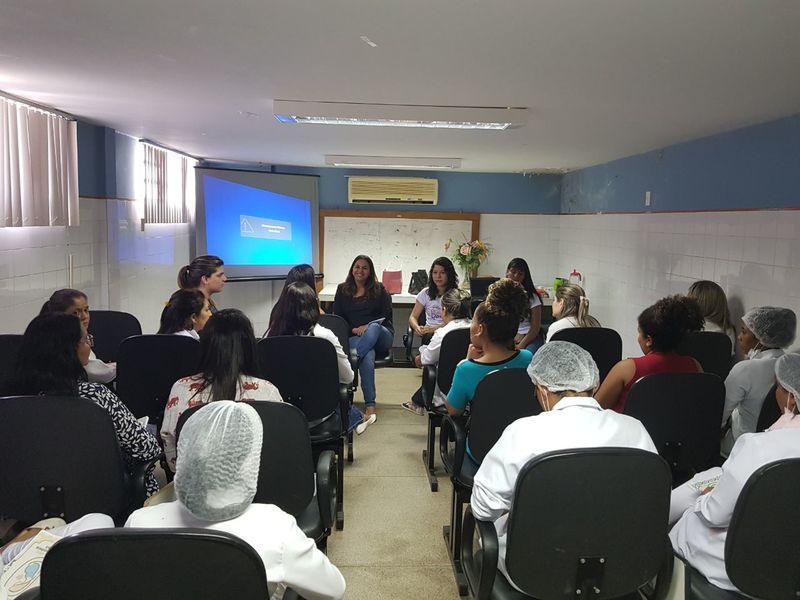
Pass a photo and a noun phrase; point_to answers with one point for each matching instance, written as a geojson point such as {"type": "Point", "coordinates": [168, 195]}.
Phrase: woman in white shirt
{"type": "Point", "coordinates": [571, 309]}
{"type": "Point", "coordinates": [765, 332]}
{"type": "Point", "coordinates": [75, 302]}
{"type": "Point", "coordinates": [455, 315]}
{"type": "Point", "coordinates": [442, 277]}
{"type": "Point", "coordinates": [215, 482]}
{"type": "Point", "coordinates": [185, 313]}
{"type": "Point", "coordinates": [529, 332]}
{"type": "Point", "coordinates": [714, 304]}
{"type": "Point", "coordinates": [228, 371]}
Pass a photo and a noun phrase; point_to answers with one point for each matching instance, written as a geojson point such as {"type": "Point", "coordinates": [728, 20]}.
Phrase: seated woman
{"type": "Point", "coordinates": [367, 308]}
{"type": "Point", "coordinates": [75, 302]}
{"type": "Point", "coordinates": [528, 333]}
{"type": "Point", "coordinates": [714, 306]}
{"type": "Point", "coordinates": [703, 506]}
{"type": "Point", "coordinates": [442, 277]}
{"type": "Point", "coordinates": [455, 315]}
{"type": "Point", "coordinates": [571, 309]}
{"type": "Point", "coordinates": [217, 471]}
{"type": "Point", "coordinates": [661, 330]}
{"type": "Point", "coordinates": [765, 332]}
{"type": "Point", "coordinates": [300, 273]}
{"type": "Point", "coordinates": [204, 273]}
{"type": "Point", "coordinates": [491, 335]}
{"type": "Point", "coordinates": [51, 361]}
{"type": "Point", "coordinates": [186, 314]}
{"type": "Point", "coordinates": [228, 371]}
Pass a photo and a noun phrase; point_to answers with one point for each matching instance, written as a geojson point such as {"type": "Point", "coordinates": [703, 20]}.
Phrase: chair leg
{"type": "Point", "coordinates": [452, 538]}
{"type": "Point", "coordinates": [350, 447]}
{"type": "Point", "coordinates": [428, 456]}
{"type": "Point", "coordinates": [340, 486]}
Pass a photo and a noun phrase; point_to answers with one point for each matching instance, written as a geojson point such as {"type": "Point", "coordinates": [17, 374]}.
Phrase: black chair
{"type": "Point", "coordinates": [61, 458]}
{"type": "Point", "coordinates": [584, 523]}
{"type": "Point", "coordinates": [770, 412]}
{"type": "Point", "coordinates": [682, 412]}
{"type": "Point", "coordinates": [602, 343]}
{"type": "Point", "coordinates": [501, 398]}
{"type": "Point", "coordinates": [711, 349]}
{"type": "Point", "coordinates": [158, 564]}
{"type": "Point", "coordinates": [408, 338]}
{"type": "Point", "coordinates": [341, 330]}
{"type": "Point", "coordinates": [478, 290]}
{"type": "Point", "coordinates": [109, 328]}
{"type": "Point", "coordinates": [148, 365]}
{"type": "Point", "coordinates": [762, 546]}
{"type": "Point", "coordinates": [305, 371]}
{"type": "Point", "coordinates": [454, 349]}
{"type": "Point", "coordinates": [286, 472]}
{"type": "Point", "coordinates": [10, 343]}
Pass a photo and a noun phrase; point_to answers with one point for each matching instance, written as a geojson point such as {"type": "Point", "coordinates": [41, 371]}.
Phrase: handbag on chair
{"type": "Point", "coordinates": [419, 281]}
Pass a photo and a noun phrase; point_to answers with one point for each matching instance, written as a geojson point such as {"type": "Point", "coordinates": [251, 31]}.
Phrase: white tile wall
{"type": "Point", "coordinates": [630, 261]}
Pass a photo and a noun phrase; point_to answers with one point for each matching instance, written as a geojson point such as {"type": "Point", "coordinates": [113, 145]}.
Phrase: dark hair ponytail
{"type": "Point", "coordinates": [190, 276]}
{"type": "Point", "coordinates": [177, 314]}
{"type": "Point", "coordinates": [668, 320]}
{"type": "Point", "coordinates": [61, 301]}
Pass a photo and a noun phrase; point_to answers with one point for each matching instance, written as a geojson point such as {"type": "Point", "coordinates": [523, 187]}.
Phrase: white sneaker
{"type": "Point", "coordinates": [362, 427]}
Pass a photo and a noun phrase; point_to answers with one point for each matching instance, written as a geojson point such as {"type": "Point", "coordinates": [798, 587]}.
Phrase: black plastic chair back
{"type": "Point", "coordinates": [10, 344]}
{"type": "Point", "coordinates": [762, 548]}
{"type": "Point", "coordinates": [501, 398]}
{"type": "Point", "coordinates": [60, 458]}
{"type": "Point", "coordinates": [711, 349]}
{"type": "Point", "coordinates": [607, 507]}
{"type": "Point", "coordinates": [109, 328]}
{"type": "Point", "coordinates": [454, 349]}
{"type": "Point", "coordinates": [770, 412]}
{"type": "Point", "coordinates": [602, 343]}
{"type": "Point", "coordinates": [286, 473]}
{"type": "Point", "coordinates": [305, 371]}
{"type": "Point", "coordinates": [340, 329]}
{"type": "Point", "coordinates": [157, 564]}
{"type": "Point", "coordinates": [682, 413]}
{"type": "Point", "coordinates": [479, 286]}
{"type": "Point", "coordinates": [147, 367]}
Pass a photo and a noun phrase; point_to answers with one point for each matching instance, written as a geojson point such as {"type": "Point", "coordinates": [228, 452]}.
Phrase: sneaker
{"type": "Point", "coordinates": [414, 408]}
{"type": "Point", "coordinates": [362, 427]}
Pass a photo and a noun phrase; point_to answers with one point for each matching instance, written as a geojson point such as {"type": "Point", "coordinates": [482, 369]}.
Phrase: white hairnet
{"type": "Point", "coordinates": [562, 367]}
{"type": "Point", "coordinates": [219, 452]}
{"type": "Point", "coordinates": [787, 372]}
{"type": "Point", "coordinates": [773, 326]}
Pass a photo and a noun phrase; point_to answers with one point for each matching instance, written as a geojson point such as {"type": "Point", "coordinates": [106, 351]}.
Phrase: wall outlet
{"type": "Point", "coordinates": [647, 198]}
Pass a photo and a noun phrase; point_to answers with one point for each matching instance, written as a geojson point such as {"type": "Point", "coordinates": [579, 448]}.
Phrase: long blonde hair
{"type": "Point", "coordinates": [575, 304]}
{"type": "Point", "coordinates": [713, 303]}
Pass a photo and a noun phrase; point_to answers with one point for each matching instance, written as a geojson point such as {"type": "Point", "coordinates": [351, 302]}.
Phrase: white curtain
{"type": "Point", "coordinates": [168, 185]}
{"type": "Point", "coordinates": [38, 167]}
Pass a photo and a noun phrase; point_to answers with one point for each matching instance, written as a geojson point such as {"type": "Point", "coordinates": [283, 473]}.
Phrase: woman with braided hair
{"type": "Point", "coordinates": [491, 335]}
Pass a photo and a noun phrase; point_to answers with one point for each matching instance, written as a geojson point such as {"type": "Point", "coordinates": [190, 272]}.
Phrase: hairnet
{"type": "Point", "coordinates": [562, 367]}
{"type": "Point", "coordinates": [787, 372]}
{"type": "Point", "coordinates": [219, 452]}
{"type": "Point", "coordinates": [773, 326]}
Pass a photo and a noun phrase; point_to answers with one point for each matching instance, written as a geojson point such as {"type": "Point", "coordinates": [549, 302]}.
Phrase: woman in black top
{"type": "Point", "coordinates": [367, 307]}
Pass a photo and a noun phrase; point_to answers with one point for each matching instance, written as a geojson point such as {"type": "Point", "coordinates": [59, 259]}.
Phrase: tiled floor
{"type": "Point", "coordinates": [391, 547]}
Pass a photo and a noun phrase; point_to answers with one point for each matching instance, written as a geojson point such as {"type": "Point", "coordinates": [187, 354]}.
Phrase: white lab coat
{"type": "Point", "coordinates": [745, 388]}
{"type": "Point", "coordinates": [290, 558]}
{"type": "Point", "coordinates": [565, 323]}
{"type": "Point", "coordinates": [99, 372]}
{"type": "Point", "coordinates": [699, 535]}
{"type": "Point", "coordinates": [575, 422]}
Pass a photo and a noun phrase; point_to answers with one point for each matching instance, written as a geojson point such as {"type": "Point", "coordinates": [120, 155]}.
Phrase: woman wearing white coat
{"type": "Point", "coordinates": [704, 515]}
{"type": "Point", "coordinates": [765, 332]}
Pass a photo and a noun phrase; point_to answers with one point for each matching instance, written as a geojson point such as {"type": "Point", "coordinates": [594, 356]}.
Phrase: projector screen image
{"type": "Point", "coordinates": [255, 229]}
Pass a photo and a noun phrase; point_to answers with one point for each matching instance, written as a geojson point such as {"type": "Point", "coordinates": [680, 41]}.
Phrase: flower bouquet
{"type": "Point", "coordinates": [469, 256]}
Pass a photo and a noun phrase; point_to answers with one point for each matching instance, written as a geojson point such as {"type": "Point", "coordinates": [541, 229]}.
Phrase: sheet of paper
{"type": "Point", "coordinates": [23, 573]}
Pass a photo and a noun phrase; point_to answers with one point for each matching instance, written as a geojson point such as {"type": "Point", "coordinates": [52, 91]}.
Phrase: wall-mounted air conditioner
{"type": "Point", "coordinates": [392, 190]}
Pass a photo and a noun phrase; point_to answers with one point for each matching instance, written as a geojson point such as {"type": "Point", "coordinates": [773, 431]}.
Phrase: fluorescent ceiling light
{"type": "Point", "coordinates": [397, 115]}
{"type": "Point", "coordinates": [392, 162]}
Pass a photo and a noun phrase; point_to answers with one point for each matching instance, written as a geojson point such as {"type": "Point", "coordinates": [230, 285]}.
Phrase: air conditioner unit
{"type": "Point", "coordinates": [392, 190]}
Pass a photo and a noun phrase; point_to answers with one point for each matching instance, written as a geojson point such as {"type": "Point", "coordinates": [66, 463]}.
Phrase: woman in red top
{"type": "Point", "coordinates": [661, 329]}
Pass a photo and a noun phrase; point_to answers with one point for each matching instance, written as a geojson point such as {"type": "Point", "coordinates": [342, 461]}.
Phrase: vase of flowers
{"type": "Point", "coordinates": [468, 256]}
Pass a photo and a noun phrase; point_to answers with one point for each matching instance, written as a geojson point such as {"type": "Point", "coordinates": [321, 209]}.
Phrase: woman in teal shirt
{"type": "Point", "coordinates": [492, 332]}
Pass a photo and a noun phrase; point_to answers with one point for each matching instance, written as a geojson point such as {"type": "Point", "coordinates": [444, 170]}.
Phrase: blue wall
{"type": "Point", "coordinates": [96, 161]}
{"type": "Point", "coordinates": [754, 167]}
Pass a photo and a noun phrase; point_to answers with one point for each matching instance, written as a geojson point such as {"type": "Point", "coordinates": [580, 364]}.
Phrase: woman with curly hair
{"type": "Point", "coordinates": [661, 330]}
{"type": "Point", "coordinates": [491, 335]}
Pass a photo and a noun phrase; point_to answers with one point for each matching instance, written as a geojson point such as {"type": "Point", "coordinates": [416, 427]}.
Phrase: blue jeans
{"type": "Point", "coordinates": [375, 339]}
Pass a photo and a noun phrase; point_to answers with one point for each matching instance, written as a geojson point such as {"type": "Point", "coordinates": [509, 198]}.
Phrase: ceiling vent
{"type": "Point", "coordinates": [392, 190]}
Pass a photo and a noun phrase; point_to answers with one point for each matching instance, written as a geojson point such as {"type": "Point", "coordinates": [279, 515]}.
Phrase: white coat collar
{"type": "Point", "coordinates": [584, 401]}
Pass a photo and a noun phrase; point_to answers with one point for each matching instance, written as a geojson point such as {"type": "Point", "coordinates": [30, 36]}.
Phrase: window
{"type": "Point", "coordinates": [167, 184]}
{"type": "Point", "coordinates": [38, 166]}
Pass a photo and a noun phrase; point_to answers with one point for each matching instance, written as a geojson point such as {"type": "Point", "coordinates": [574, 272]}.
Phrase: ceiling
{"type": "Point", "coordinates": [602, 79]}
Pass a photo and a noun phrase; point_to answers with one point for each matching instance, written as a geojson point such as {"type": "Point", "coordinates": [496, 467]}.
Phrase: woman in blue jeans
{"type": "Point", "coordinates": [367, 307]}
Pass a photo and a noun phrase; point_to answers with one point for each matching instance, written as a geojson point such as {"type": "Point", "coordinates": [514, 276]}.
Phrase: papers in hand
{"type": "Point", "coordinates": [378, 321]}
{"type": "Point", "coordinates": [23, 572]}
{"type": "Point", "coordinates": [703, 484]}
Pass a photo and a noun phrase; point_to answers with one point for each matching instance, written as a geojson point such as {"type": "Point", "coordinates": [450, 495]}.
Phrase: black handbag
{"type": "Point", "coordinates": [419, 281]}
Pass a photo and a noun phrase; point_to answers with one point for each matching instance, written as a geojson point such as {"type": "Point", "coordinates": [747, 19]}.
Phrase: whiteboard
{"type": "Point", "coordinates": [408, 244]}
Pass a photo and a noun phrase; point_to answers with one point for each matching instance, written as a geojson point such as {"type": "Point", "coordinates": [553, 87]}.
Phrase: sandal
{"type": "Point", "coordinates": [414, 408]}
